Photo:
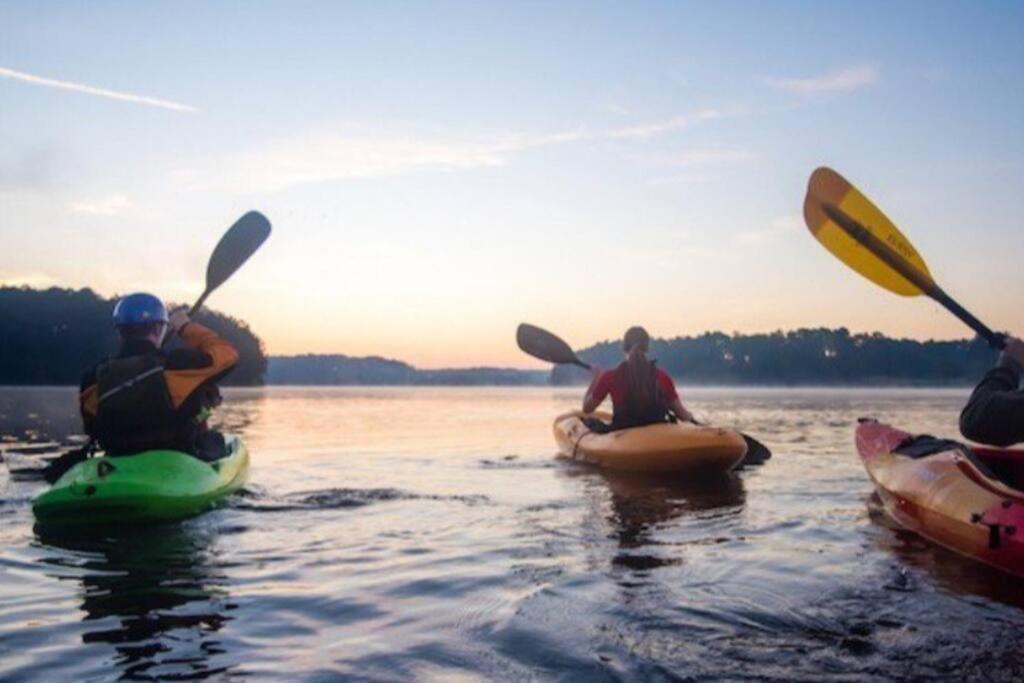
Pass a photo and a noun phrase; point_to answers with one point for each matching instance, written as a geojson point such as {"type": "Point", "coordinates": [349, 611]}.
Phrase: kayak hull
{"type": "Point", "coordinates": [947, 498]}
{"type": "Point", "coordinates": [152, 486]}
{"type": "Point", "coordinates": [676, 447]}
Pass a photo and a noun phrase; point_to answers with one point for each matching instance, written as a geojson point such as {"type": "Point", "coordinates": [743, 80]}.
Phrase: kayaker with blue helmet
{"type": "Point", "coordinates": [995, 412]}
{"type": "Point", "coordinates": [641, 392]}
{"type": "Point", "coordinates": [145, 398]}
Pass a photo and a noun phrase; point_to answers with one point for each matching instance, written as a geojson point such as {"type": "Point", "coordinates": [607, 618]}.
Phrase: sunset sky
{"type": "Point", "coordinates": [439, 172]}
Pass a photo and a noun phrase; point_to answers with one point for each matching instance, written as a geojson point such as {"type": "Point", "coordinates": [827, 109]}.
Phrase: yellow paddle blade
{"type": "Point", "coordinates": [829, 190]}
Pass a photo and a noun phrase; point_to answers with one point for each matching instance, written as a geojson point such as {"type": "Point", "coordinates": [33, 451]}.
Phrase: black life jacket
{"type": "Point", "coordinates": [635, 412]}
{"type": "Point", "coordinates": [135, 412]}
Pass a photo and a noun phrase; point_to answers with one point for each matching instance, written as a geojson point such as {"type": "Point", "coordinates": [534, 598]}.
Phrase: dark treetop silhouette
{"type": "Point", "coordinates": [51, 336]}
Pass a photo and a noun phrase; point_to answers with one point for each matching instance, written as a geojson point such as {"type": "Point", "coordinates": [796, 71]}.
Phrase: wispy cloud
{"type": "Point", "coordinates": [646, 130]}
{"type": "Point", "coordinates": [711, 156]}
{"type": "Point", "coordinates": [334, 155]}
{"type": "Point", "coordinates": [850, 78]}
{"type": "Point", "coordinates": [107, 205]}
{"type": "Point", "coordinates": [36, 280]}
{"type": "Point", "coordinates": [93, 90]}
{"type": "Point", "coordinates": [696, 162]}
{"type": "Point", "coordinates": [776, 229]}
{"type": "Point", "coordinates": [326, 156]}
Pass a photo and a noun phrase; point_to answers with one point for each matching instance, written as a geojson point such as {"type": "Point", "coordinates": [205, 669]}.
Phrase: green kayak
{"type": "Point", "coordinates": [150, 486]}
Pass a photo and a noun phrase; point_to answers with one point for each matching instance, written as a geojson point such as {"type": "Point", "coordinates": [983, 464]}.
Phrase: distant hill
{"type": "Point", "coordinates": [373, 370]}
{"type": "Point", "coordinates": [51, 336]}
{"type": "Point", "coordinates": [817, 356]}
{"type": "Point", "coordinates": [804, 357]}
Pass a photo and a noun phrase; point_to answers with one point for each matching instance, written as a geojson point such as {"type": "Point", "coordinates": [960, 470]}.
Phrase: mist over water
{"type": "Point", "coordinates": [399, 533]}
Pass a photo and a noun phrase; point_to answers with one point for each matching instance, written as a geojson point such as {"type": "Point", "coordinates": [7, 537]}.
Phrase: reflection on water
{"type": "Point", "coordinates": [156, 596]}
{"type": "Point", "coordinates": [398, 534]}
{"type": "Point", "coordinates": [949, 570]}
{"type": "Point", "coordinates": [640, 503]}
{"type": "Point", "coordinates": [38, 415]}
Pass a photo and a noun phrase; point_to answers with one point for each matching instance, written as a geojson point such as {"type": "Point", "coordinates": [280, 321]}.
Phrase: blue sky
{"type": "Point", "coordinates": [437, 173]}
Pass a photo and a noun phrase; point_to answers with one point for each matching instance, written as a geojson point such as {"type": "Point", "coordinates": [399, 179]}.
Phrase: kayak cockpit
{"type": "Point", "coordinates": [1005, 465]}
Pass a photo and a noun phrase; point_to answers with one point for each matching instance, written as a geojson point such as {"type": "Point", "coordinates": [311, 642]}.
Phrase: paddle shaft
{"type": "Point", "coordinates": [891, 258]}
{"type": "Point", "coordinates": [199, 303]}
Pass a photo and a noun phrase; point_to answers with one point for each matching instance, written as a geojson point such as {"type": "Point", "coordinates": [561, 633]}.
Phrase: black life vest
{"type": "Point", "coordinates": [636, 412]}
{"type": "Point", "coordinates": [135, 412]}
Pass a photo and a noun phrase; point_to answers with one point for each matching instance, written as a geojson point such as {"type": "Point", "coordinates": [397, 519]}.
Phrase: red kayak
{"type": "Point", "coordinates": [970, 500]}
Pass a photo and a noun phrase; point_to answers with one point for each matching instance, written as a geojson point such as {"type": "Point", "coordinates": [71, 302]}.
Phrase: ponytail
{"type": "Point", "coordinates": [641, 385]}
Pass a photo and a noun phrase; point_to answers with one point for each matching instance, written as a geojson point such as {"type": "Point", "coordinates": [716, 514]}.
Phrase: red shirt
{"type": "Point", "coordinates": [609, 383]}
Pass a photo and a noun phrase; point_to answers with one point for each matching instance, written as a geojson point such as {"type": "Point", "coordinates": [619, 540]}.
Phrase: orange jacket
{"type": "Point", "coordinates": [185, 370]}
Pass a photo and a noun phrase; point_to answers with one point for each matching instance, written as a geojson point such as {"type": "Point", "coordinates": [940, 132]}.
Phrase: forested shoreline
{"type": "Point", "coordinates": [819, 357]}
{"type": "Point", "coordinates": [50, 336]}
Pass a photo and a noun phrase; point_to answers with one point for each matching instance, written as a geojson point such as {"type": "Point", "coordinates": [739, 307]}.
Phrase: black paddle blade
{"type": "Point", "coordinates": [240, 242]}
{"type": "Point", "coordinates": [541, 344]}
{"type": "Point", "coordinates": [757, 452]}
{"type": "Point", "coordinates": [56, 469]}
{"type": "Point", "coordinates": [236, 246]}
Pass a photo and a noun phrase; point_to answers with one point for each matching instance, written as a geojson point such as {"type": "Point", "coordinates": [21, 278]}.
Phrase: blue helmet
{"type": "Point", "coordinates": [139, 309]}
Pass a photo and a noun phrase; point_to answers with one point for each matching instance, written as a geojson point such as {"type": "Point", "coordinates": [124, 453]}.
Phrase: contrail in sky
{"type": "Point", "coordinates": [90, 90]}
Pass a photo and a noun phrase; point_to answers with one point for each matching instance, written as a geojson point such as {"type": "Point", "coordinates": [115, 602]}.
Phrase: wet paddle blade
{"type": "Point", "coordinates": [541, 344]}
{"type": "Point", "coordinates": [757, 452]}
{"type": "Point", "coordinates": [236, 246]}
{"type": "Point", "coordinates": [827, 191]}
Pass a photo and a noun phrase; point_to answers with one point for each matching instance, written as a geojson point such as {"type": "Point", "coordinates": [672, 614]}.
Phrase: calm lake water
{"type": "Point", "coordinates": [421, 533]}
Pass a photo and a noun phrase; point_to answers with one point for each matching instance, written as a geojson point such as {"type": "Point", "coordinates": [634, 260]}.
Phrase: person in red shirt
{"type": "Point", "coordinates": [641, 393]}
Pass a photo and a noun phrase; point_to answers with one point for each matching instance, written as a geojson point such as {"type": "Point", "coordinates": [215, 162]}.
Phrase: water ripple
{"type": "Point", "coordinates": [372, 548]}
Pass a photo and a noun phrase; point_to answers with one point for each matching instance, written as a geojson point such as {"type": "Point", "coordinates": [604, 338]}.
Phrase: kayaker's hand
{"type": "Point", "coordinates": [1015, 350]}
{"type": "Point", "coordinates": [178, 319]}
{"type": "Point", "coordinates": [595, 372]}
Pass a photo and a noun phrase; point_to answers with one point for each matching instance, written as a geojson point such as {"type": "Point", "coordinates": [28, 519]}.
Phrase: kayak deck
{"type": "Point", "coordinates": [667, 447]}
{"type": "Point", "coordinates": [151, 486]}
{"type": "Point", "coordinates": [952, 497]}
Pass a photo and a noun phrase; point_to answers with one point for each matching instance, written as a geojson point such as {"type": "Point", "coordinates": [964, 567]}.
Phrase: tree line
{"type": "Point", "coordinates": [51, 336]}
{"type": "Point", "coordinates": [818, 356]}
{"type": "Point", "coordinates": [341, 370]}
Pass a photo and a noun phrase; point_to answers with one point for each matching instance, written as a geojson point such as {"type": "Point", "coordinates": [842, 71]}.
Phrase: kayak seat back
{"type": "Point", "coordinates": [923, 445]}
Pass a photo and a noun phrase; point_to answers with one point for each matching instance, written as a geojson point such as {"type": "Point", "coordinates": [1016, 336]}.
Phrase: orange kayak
{"type": "Point", "coordinates": [966, 499]}
{"type": "Point", "coordinates": [666, 447]}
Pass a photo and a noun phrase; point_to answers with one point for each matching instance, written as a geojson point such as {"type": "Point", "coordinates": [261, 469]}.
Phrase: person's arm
{"type": "Point", "coordinates": [222, 354]}
{"type": "Point", "coordinates": [219, 356]}
{"type": "Point", "coordinates": [994, 414]}
{"type": "Point", "coordinates": [668, 390]}
{"type": "Point", "coordinates": [596, 392]}
{"type": "Point", "coordinates": [88, 402]}
{"type": "Point", "coordinates": [680, 411]}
